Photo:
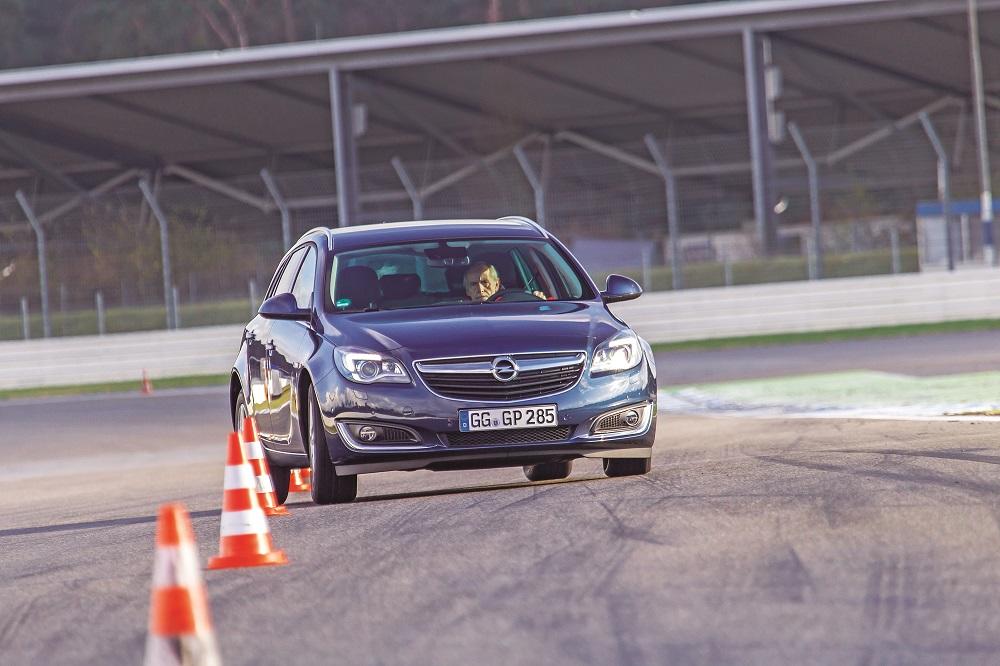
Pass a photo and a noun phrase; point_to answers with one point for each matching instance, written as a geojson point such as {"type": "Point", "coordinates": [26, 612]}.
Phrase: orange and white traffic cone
{"type": "Point", "coordinates": [244, 538]}
{"type": "Point", "coordinates": [180, 628]}
{"type": "Point", "coordinates": [147, 383]}
{"type": "Point", "coordinates": [300, 481]}
{"type": "Point", "coordinates": [261, 471]}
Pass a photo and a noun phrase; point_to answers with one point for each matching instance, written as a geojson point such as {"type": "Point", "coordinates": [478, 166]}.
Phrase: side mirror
{"type": "Point", "coordinates": [283, 306]}
{"type": "Point", "coordinates": [621, 288]}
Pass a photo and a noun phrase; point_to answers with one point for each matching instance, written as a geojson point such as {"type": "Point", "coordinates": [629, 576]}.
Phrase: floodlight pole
{"type": "Point", "coordinates": [673, 219]}
{"type": "Point", "coordinates": [345, 147]}
{"type": "Point", "coordinates": [982, 139]}
{"type": "Point", "coordinates": [944, 185]}
{"type": "Point", "coordinates": [761, 153]}
{"type": "Point", "coordinates": [43, 272]}
{"type": "Point", "coordinates": [161, 219]}
{"type": "Point", "coordinates": [538, 180]}
{"type": "Point", "coordinates": [282, 205]}
{"type": "Point", "coordinates": [816, 266]}
{"type": "Point", "coordinates": [411, 189]}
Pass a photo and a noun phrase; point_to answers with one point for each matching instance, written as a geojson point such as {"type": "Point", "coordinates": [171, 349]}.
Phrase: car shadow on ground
{"type": "Point", "coordinates": [440, 492]}
{"type": "Point", "coordinates": [94, 524]}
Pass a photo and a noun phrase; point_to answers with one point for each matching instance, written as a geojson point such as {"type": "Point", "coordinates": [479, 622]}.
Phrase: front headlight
{"type": "Point", "coordinates": [367, 367]}
{"type": "Point", "coordinates": [618, 353]}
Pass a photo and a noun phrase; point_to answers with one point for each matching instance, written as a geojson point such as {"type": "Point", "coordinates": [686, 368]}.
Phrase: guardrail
{"type": "Point", "coordinates": [658, 317]}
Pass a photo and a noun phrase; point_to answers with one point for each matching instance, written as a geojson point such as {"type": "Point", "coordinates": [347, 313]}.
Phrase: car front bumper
{"type": "Point", "coordinates": [432, 418]}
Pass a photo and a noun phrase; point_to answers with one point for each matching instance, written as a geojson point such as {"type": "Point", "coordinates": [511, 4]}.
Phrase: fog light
{"type": "Point", "coordinates": [631, 418]}
{"type": "Point", "coordinates": [367, 434]}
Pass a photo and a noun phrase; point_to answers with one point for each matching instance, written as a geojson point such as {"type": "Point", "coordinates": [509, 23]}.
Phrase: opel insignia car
{"type": "Point", "coordinates": [368, 354]}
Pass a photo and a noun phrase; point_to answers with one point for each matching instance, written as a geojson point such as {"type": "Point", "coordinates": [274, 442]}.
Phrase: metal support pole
{"type": "Point", "coordinates": [154, 207]}
{"type": "Point", "coordinates": [816, 256]}
{"type": "Point", "coordinates": [727, 272]}
{"type": "Point", "coordinates": [673, 219]}
{"type": "Point", "coordinates": [944, 185]}
{"type": "Point", "coordinates": [647, 275]}
{"type": "Point", "coordinates": [760, 147]}
{"type": "Point", "coordinates": [174, 294]}
{"type": "Point", "coordinates": [345, 149]}
{"type": "Point", "coordinates": [538, 179]}
{"type": "Point", "coordinates": [982, 139]}
{"type": "Point", "coordinates": [25, 319]}
{"type": "Point", "coordinates": [43, 272]}
{"type": "Point", "coordinates": [411, 189]}
{"type": "Point", "coordinates": [99, 306]}
{"type": "Point", "coordinates": [252, 291]}
{"type": "Point", "coordinates": [897, 264]}
{"type": "Point", "coordinates": [279, 201]}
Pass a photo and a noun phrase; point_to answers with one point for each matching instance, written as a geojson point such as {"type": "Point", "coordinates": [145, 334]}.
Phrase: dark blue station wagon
{"type": "Point", "coordinates": [442, 345]}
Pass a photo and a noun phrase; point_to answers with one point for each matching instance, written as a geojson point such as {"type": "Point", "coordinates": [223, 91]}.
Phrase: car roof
{"type": "Point", "coordinates": [367, 235]}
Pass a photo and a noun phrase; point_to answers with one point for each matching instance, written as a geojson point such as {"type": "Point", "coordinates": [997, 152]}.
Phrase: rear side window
{"type": "Point", "coordinates": [303, 287]}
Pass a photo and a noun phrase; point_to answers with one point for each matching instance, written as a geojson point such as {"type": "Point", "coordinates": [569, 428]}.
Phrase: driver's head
{"type": "Point", "coordinates": [481, 281]}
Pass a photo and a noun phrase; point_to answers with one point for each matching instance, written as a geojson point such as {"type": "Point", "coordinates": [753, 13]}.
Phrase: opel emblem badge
{"type": "Point", "coordinates": [504, 369]}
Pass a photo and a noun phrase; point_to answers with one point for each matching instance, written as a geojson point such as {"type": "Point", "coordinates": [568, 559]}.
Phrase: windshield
{"type": "Point", "coordinates": [474, 272]}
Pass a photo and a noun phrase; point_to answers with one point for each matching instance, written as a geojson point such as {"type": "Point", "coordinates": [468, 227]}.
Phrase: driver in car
{"type": "Point", "coordinates": [483, 282]}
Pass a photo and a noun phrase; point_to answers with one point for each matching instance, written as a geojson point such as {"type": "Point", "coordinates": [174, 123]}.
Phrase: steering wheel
{"type": "Point", "coordinates": [513, 296]}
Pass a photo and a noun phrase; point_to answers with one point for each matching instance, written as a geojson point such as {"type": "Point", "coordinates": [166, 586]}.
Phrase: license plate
{"type": "Point", "coordinates": [507, 418]}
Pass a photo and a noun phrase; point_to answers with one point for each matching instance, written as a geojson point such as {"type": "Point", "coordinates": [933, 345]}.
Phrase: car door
{"type": "Point", "coordinates": [271, 381]}
{"type": "Point", "coordinates": [289, 345]}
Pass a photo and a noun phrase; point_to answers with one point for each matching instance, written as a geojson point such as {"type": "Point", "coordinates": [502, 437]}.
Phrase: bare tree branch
{"type": "Point", "coordinates": [238, 21]}
{"type": "Point", "coordinates": [213, 23]}
{"type": "Point", "coordinates": [286, 10]}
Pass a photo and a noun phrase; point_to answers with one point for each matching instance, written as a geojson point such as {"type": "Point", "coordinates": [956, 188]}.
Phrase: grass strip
{"type": "Point", "coordinates": [189, 381]}
{"type": "Point", "coordinates": [903, 330]}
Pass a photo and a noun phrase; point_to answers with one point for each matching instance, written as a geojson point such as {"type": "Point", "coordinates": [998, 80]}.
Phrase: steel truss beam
{"type": "Point", "coordinates": [105, 187]}
{"type": "Point", "coordinates": [219, 187]}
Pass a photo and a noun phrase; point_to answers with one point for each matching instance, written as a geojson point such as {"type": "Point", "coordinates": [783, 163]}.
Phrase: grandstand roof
{"type": "Point", "coordinates": [473, 90]}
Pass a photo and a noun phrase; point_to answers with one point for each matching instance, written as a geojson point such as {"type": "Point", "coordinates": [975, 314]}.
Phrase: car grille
{"type": "Point", "coordinates": [541, 374]}
{"type": "Point", "coordinates": [500, 437]}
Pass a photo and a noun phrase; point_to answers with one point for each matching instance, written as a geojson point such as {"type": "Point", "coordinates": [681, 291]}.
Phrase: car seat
{"type": "Point", "coordinates": [360, 285]}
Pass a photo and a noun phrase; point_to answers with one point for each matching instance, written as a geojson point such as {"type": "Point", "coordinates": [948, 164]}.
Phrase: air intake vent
{"type": "Point", "coordinates": [501, 437]}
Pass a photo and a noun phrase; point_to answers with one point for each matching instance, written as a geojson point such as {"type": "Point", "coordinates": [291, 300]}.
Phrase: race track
{"type": "Point", "coordinates": [753, 541]}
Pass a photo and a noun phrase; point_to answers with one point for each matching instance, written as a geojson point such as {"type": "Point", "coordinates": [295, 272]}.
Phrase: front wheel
{"type": "Point", "coordinates": [551, 471]}
{"type": "Point", "coordinates": [627, 466]}
{"type": "Point", "coordinates": [327, 487]}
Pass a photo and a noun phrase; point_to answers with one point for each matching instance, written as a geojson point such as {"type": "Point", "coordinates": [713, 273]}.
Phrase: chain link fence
{"type": "Point", "coordinates": [104, 258]}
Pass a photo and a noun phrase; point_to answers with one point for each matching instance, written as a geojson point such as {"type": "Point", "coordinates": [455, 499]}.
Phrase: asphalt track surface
{"type": "Point", "coordinates": [752, 542]}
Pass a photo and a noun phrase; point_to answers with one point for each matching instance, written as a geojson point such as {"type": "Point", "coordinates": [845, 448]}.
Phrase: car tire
{"type": "Point", "coordinates": [327, 487]}
{"type": "Point", "coordinates": [280, 476]}
{"type": "Point", "coordinates": [627, 466]}
{"type": "Point", "coordinates": [550, 471]}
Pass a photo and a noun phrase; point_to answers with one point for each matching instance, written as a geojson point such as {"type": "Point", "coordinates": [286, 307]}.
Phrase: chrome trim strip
{"type": "Point", "coordinates": [485, 367]}
{"type": "Point", "coordinates": [641, 429]}
{"type": "Point", "coordinates": [583, 371]}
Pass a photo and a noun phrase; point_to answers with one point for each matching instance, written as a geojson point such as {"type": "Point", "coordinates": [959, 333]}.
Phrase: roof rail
{"type": "Point", "coordinates": [525, 220]}
{"type": "Point", "coordinates": [326, 231]}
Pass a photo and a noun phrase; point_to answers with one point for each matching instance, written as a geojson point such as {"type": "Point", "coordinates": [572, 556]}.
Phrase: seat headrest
{"type": "Point", "coordinates": [400, 286]}
{"type": "Point", "coordinates": [359, 284]}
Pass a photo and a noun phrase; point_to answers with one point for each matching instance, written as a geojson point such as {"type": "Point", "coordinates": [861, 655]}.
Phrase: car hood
{"type": "Point", "coordinates": [471, 330]}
